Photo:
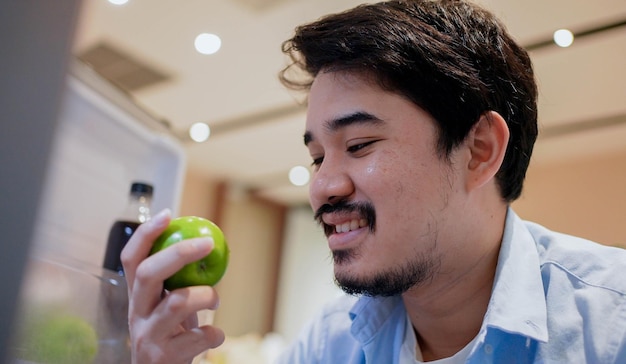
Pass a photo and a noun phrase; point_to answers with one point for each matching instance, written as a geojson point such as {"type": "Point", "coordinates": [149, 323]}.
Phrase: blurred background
{"type": "Point", "coordinates": [212, 65]}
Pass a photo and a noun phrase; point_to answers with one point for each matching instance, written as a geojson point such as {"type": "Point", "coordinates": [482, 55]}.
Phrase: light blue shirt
{"type": "Point", "coordinates": [556, 299]}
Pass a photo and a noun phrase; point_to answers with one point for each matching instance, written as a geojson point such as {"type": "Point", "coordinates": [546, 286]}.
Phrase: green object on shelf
{"type": "Point", "coordinates": [59, 339]}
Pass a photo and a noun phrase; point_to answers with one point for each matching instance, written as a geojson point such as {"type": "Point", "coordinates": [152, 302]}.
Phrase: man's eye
{"type": "Point", "coordinates": [355, 148]}
{"type": "Point", "coordinates": [317, 161]}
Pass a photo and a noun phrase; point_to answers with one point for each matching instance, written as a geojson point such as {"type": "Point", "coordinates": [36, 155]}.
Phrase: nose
{"type": "Point", "coordinates": [330, 184]}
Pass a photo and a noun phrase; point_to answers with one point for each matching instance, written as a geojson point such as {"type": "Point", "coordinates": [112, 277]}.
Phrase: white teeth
{"type": "Point", "coordinates": [350, 225]}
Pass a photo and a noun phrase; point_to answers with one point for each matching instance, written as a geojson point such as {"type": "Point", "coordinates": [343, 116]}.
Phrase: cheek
{"type": "Point", "coordinates": [402, 185]}
{"type": "Point", "coordinates": [378, 169]}
{"type": "Point", "coordinates": [385, 176]}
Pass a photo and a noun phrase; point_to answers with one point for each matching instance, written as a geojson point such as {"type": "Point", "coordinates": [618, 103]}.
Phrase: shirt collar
{"type": "Point", "coordinates": [518, 303]}
{"type": "Point", "coordinates": [369, 314]}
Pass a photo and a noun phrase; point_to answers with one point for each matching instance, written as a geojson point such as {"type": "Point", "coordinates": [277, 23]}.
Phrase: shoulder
{"type": "Point", "coordinates": [329, 330]}
{"type": "Point", "coordinates": [585, 297]}
{"type": "Point", "coordinates": [586, 261]}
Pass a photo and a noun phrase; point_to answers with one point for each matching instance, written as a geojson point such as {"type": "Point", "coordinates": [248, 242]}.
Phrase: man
{"type": "Point", "coordinates": [421, 122]}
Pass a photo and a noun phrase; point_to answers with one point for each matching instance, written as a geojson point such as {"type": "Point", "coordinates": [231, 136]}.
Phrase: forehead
{"type": "Point", "coordinates": [340, 98]}
{"type": "Point", "coordinates": [336, 93]}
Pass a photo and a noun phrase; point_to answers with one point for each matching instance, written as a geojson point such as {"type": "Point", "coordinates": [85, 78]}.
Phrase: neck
{"type": "Point", "coordinates": [448, 311]}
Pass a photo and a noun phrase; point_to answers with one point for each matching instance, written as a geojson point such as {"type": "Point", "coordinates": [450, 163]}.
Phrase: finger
{"type": "Point", "coordinates": [191, 321]}
{"type": "Point", "coordinates": [195, 341]}
{"type": "Point", "coordinates": [175, 309]}
{"type": "Point", "coordinates": [152, 271]}
{"type": "Point", "coordinates": [140, 243]}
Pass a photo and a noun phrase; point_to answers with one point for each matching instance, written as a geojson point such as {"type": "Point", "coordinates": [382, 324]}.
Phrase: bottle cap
{"type": "Point", "coordinates": [141, 188]}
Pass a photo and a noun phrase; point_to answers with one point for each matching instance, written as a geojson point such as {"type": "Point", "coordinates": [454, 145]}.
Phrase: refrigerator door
{"type": "Point", "coordinates": [104, 143]}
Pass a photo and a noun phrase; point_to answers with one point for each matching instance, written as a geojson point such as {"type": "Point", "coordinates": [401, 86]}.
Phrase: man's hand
{"type": "Point", "coordinates": [163, 325]}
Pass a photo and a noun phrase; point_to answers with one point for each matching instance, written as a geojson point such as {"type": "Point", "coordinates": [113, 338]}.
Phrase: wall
{"type": "Point", "coordinates": [306, 279]}
{"type": "Point", "coordinates": [584, 196]}
{"type": "Point", "coordinates": [200, 197]}
{"type": "Point", "coordinates": [254, 229]}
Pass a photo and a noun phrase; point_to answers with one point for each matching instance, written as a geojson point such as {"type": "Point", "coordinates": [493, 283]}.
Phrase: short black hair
{"type": "Point", "coordinates": [452, 58]}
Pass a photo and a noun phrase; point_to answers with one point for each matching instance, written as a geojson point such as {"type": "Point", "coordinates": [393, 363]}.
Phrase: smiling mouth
{"type": "Point", "coordinates": [344, 217]}
{"type": "Point", "coordinates": [347, 226]}
{"type": "Point", "coordinates": [350, 225]}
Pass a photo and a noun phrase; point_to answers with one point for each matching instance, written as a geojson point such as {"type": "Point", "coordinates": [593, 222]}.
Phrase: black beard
{"type": "Point", "coordinates": [391, 282]}
{"type": "Point", "coordinates": [365, 210]}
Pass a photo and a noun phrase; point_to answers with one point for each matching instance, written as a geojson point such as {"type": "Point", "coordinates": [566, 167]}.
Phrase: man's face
{"type": "Point", "coordinates": [380, 190]}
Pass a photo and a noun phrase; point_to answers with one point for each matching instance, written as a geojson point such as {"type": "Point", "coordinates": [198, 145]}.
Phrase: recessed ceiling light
{"type": "Point", "coordinates": [299, 176]}
{"type": "Point", "coordinates": [199, 132]}
{"type": "Point", "coordinates": [118, 2]}
{"type": "Point", "coordinates": [207, 43]}
{"type": "Point", "coordinates": [563, 38]}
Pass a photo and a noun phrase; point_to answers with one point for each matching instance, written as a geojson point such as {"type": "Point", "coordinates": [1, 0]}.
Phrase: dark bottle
{"type": "Point", "coordinates": [113, 311]}
{"type": "Point", "coordinates": [137, 212]}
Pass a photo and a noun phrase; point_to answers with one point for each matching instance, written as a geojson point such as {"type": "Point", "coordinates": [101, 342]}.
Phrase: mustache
{"type": "Point", "coordinates": [364, 209]}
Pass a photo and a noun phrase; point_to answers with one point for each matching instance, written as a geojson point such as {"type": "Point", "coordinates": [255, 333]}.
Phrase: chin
{"type": "Point", "coordinates": [376, 286]}
{"type": "Point", "coordinates": [384, 281]}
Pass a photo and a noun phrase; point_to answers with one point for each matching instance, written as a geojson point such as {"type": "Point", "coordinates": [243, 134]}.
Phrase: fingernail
{"type": "Point", "coordinates": [160, 219]}
{"type": "Point", "coordinates": [203, 244]}
{"type": "Point", "coordinates": [216, 305]}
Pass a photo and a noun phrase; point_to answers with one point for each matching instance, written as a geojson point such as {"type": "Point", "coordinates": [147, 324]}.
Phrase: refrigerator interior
{"type": "Point", "coordinates": [104, 143]}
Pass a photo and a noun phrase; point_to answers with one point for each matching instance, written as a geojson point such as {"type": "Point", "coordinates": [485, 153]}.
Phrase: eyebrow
{"type": "Point", "coordinates": [359, 117]}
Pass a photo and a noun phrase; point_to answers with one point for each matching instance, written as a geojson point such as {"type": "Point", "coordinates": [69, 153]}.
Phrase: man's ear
{"type": "Point", "coordinates": [487, 143]}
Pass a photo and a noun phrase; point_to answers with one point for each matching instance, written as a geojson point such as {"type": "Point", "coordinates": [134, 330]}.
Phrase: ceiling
{"type": "Point", "coordinates": [257, 125]}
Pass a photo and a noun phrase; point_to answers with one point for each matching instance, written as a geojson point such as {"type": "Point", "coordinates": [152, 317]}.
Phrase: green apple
{"type": "Point", "coordinates": [59, 338]}
{"type": "Point", "coordinates": [206, 271]}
